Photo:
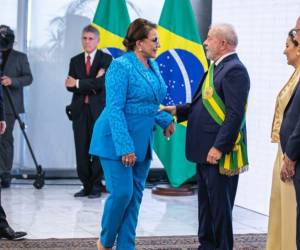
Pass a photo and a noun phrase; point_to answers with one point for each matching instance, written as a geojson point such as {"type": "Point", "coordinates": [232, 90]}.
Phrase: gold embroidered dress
{"type": "Point", "coordinates": [282, 213]}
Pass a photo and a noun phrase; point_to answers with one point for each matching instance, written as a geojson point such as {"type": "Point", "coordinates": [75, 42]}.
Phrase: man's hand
{"type": "Point", "coordinates": [129, 160]}
{"type": "Point", "coordinates": [70, 82]}
{"type": "Point", "coordinates": [6, 81]}
{"type": "Point", "coordinates": [2, 127]}
{"type": "Point", "coordinates": [290, 165]}
{"type": "Point", "coordinates": [169, 130]}
{"type": "Point", "coordinates": [284, 176]}
{"type": "Point", "coordinates": [213, 156]}
{"type": "Point", "coordinates": [100, 73]}
{"type": "Point", "coordinates": [287, 169]}
{"type": "Point", "coordinates": [169, 109]}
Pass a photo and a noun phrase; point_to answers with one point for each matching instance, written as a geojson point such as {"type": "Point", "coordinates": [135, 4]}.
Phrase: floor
{"type": "Point", "coordinates": [53, 212]}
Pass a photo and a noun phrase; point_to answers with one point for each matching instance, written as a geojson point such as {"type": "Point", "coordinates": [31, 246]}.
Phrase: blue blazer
{"type": "Point", "coordinates": [290, 129]}
{"type": "Point", "coordinates": [133, 96]}
{"type": "Point", "coordinates": [232, 84]}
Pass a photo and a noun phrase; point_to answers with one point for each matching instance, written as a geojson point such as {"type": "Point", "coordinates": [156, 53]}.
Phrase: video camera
{"type": "Point", "coordinates": [7, 37]}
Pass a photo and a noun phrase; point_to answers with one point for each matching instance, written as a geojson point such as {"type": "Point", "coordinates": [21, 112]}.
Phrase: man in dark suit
{"type": "Point", "coordinates": [216, 136]}
{"type": "Point", "coordinates": [86, 82]}
{"type": "Point", "coordinates": [5, 230]}
{"type": "Point", "coordinates": [290, 132]}
{"type": "Point", "coordinates": [15, 75]}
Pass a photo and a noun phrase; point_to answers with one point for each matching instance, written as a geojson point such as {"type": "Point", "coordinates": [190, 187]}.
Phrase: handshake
{"type": "Point", "coordinates": [214, 154]}
{"type": "Point", "coordinates": [168, 132]}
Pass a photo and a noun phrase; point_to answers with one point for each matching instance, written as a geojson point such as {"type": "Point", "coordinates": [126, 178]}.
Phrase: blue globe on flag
{"type": "Point", "coordinates": [114, 52]}
{"type": "Point", "coordinates": [182, 72]}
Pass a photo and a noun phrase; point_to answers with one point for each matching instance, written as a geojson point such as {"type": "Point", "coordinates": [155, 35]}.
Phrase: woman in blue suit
{"type": "Point", "coordinates": [122, 136]}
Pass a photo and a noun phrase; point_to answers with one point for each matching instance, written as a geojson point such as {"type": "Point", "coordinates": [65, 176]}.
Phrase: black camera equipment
{"type": "Point", "coordinates": [7, 37]}
{"type": "Point", "coordinates": [6, 42]}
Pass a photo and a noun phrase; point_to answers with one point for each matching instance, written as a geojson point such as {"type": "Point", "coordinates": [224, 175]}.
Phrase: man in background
{"type": "Point", "coordinates": [86, 82]}
{"type": "Point", "coordinates": [5, 230]}
{"type": "Point", "coordinates": [15, 74]}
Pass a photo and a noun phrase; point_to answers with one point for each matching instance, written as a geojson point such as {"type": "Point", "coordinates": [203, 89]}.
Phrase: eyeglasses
{"type": "Point", "coordinates": [154, 40]}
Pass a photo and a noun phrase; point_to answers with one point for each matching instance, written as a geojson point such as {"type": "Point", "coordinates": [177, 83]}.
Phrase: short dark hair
{"type": "Point", "coordinates": [292, 35]}
{"type": "Point", "coordinates": [137, 30]}
{"type": "Point", "coordinates": [91, 29]}
{"type": "Point", "coordinates": [7, 37]}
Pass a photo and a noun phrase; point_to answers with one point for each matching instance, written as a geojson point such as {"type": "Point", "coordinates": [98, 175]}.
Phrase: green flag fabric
{"type": "Point", "coordinates": [182, 64]}
{"type": "Point", "coordinates": [112, 20]}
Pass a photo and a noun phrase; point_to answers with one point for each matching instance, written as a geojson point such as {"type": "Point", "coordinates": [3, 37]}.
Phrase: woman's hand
{"type": "Point", "coordinates": [169, 109]}
{"type": "Point", "coordinates": [129, 160]}
{"type": "Point", "coordinates": [169, 130]}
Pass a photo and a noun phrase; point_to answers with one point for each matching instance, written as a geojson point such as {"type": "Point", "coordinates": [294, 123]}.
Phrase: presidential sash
{"type": "Point", "coordinates": [236, 161]}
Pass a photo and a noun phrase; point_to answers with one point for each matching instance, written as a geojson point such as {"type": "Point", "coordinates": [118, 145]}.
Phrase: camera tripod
{"type": "Point", "coordinates": [40, 174]}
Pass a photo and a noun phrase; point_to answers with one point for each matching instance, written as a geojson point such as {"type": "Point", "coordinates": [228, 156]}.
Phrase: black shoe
{"type": "Point", "coordinates": [81, 193]}
{"type": "Point", "coordinates": [94, 194]}
{"type": "Point", "coordinates": [103, 189]}
{"type": "Point", "coordinates": [10, 234]}
{"type": "Point", "coordinates": [5, 180]}
{"type": "Point", "coordinates": [5, 184]}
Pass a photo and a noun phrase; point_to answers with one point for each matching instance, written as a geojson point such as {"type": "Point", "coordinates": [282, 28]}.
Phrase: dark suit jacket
{"type": "Point", "coordinates": [1, 105]}
{"type": "Point", "coordinates": [232, 84]}
{"type": "Point", "coordinates": [18, 69]}
{"type": "Point", "coordinates": [290, 129]}
{"type": "Point", "coordinates": [88, 85]}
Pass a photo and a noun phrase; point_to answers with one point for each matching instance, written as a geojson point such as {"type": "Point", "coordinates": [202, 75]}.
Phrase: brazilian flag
{"type": "Point", "coordinates": [182, 63]}
{"type": "Point", "coordinates": [112, 20]}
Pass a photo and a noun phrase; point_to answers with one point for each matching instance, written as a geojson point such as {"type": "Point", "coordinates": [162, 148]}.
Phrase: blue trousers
{"type": "Point", "coordinates": [125, 186]}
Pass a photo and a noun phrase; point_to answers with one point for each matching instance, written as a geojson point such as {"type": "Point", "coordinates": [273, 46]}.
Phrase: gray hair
{"type": "Point", "coordinates": [90, 29]}
{"type": "Point", "coordinates": [227, 32]}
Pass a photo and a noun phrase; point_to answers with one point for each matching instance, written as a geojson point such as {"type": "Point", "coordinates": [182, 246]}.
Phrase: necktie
{"type": "Point", "coordinates": [88, 65]}
{"type": "Point", "coordinates": [87, 70]}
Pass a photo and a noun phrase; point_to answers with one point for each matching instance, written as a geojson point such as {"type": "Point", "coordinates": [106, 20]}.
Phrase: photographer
{"type": "Point", "coordinates": [15, 74]}
{"type": "Point", "coordinates": [5, 230]}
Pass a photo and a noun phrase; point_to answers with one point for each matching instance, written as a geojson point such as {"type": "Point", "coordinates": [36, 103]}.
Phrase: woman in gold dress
{"type": "Point", "coordinates": [282, 214]}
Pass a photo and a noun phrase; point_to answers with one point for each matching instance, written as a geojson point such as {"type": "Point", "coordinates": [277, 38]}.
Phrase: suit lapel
{"type": "Point", "coordinates": [143, 72]}
{"type": "Point", "coordinates": [199, 88]}
{"type": "Point", "coordinates": [9, 62]}
{"type": "Point", "coordinates": [220, 66]}
{"type": "Point", "coordinates": [81, 64]}
{"type": "Point", "coordinates": [292, 96]}
{"type": "Point", "coordinates": [95, 64]}
{"type": "Point", "coordinates": [161, 83]}
{"type": "Point", "coordinates": [218, 69]}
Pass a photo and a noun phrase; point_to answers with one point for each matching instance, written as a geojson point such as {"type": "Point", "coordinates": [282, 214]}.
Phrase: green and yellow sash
{"type": "Point", "coordinates": [236, 161]}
